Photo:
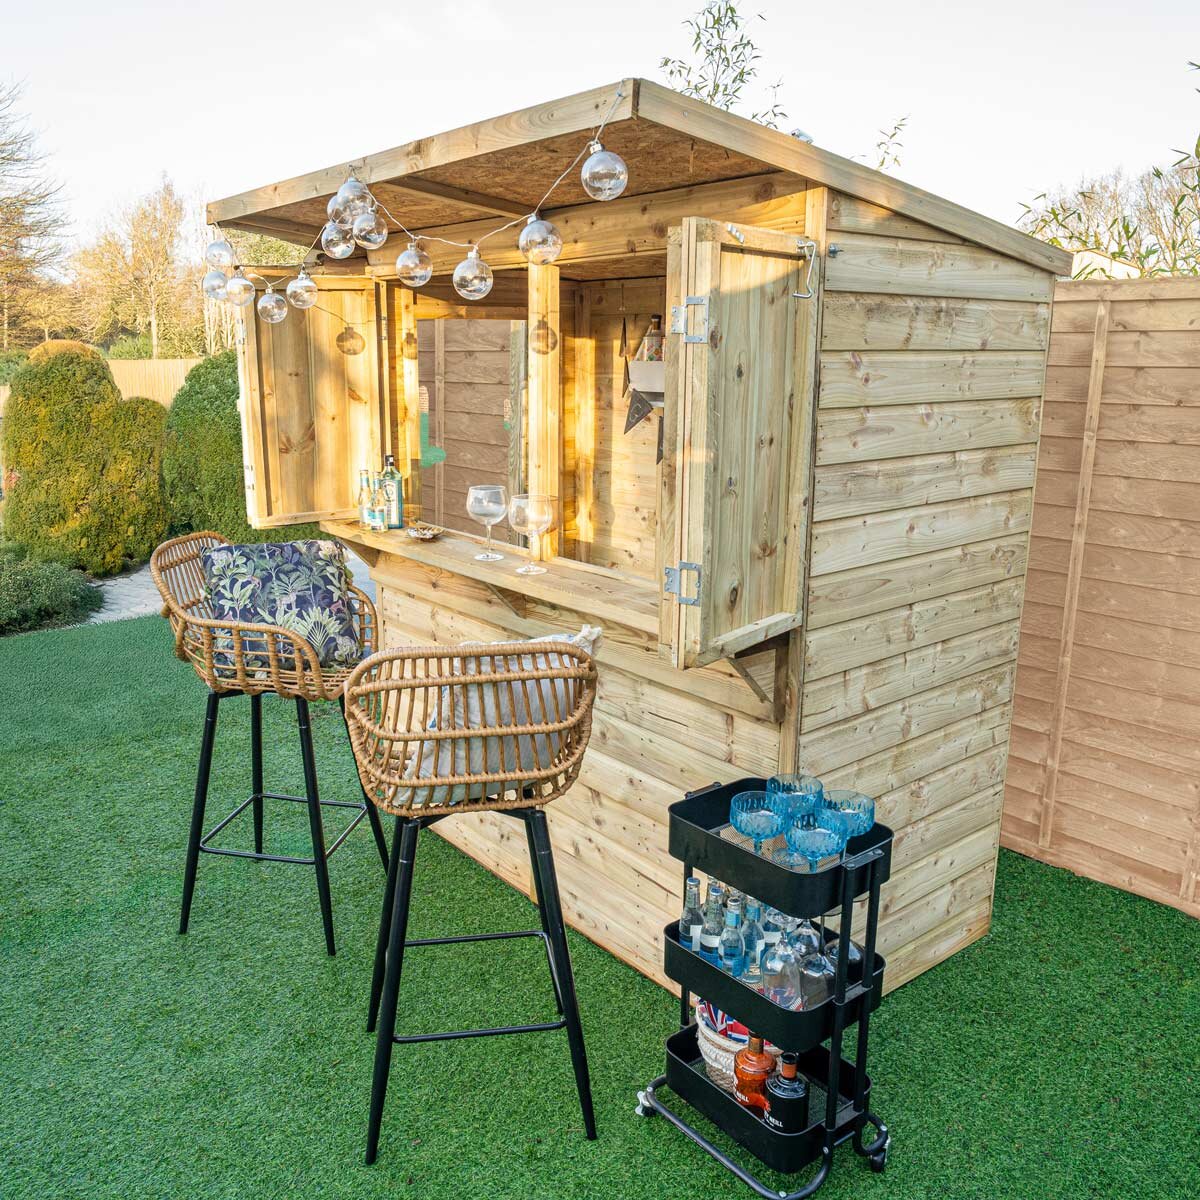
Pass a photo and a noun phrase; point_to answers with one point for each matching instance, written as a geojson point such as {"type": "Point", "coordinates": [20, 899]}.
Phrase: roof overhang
{"type": "Point", "coordinates": [500, 168]}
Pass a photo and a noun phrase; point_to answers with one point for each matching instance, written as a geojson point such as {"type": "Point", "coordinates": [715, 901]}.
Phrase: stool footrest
{"type": "Point", "coordinates": [360, 809]}
{"type": "Point", "coordinates": [455, 1034]}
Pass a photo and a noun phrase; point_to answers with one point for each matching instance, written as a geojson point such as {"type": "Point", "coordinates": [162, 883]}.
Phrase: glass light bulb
{"type": "Point", "coordinates": [302, 291]}
{"type": "Point", "coordinates": [239, 290]}
{"type": "Point", "coordinates": [351, 200]}
{"type": "Point", "coordinates": [604, 173]}
{"type": "Point", "coordinates": [272, 307]}
{"type": "Point", "coordinates": [213, 285]}
{"type": "Point", "coordinates": [219, 255]}
{"type": "Point", "coordinates": [472, 276]}
{"type": "Point", "coordinates": [414, 266]}
{"type": "Point", "coordinates": [370, 230]}
{"type": "Point", "coordinates": [337, 241]}
{"type": "Point", "coordinates": [540, 241]}
{"type": "Point", "coordinates": [335, 214]}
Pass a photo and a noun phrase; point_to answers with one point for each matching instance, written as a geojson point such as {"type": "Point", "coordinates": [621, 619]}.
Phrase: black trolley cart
{"type": "Point", "coordinates": [696, 823]}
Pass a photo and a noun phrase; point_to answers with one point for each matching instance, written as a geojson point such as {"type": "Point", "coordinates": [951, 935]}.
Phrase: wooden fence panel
{"type": "Point", "coordinates": [1103, 771]}
{"type": "Point", "coordinates": [155, 378]}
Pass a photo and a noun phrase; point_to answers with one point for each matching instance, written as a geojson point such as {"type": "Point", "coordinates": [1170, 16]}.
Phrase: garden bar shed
{"type": "Point", "coordinates": [817, 561]}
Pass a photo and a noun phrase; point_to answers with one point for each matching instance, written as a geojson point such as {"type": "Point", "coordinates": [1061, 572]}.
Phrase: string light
{"type": "Point", "coordinates": [355, 215]}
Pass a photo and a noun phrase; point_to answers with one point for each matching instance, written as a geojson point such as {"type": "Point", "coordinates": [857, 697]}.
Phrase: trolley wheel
{"type": "Point", "coordinates": [878, 1160]}
{"type": "Point", "coordinates": [642, 1109]}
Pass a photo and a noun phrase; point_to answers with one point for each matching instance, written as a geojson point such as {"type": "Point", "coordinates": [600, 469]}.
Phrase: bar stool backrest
{"type": "Point", "coordinates": [470, 728]}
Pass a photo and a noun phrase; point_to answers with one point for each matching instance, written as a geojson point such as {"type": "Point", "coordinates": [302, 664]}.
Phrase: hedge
{"type": "Point", "coordinates": [202, 458]}
{"type": "Point", "coordinates": [38, 595]}
{"type": "Point", "coordinates": [48, 349]}
{"type": "Point", "coordinates": [85, 465]}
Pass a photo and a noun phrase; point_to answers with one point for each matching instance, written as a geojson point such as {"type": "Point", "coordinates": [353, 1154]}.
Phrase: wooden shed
{"type": "Point", "coordinates": [842, 503]}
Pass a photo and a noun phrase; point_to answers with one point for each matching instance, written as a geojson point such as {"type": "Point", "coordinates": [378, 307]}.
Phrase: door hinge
{"type": "Point", "coordinates": [679, 319]}
{"type": "Point", "coordinates": [674, 585]}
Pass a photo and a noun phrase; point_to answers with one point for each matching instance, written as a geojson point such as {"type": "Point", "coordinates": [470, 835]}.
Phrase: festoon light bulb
{"type": "Point", "coordinates": [351, 200]}
{"type": "Point", "coordinates": [239, 290]}
{"type": "Point", "coordinates": [472, 277]}
{"type": "Point", "coordinates": [213, 285]}
{"type": "Point", "coordinates": [219, 255]}
{"type": "Point", "coordinates": [604, 174]}
{"type": "Point", "coordinates": [302, 291]}
{"type": "Point", "coordinates": [337, 241]}
{"type": "Point", "coordinates": [370, 229]}
{"type": "Point", "coordinates": [272, 307]}
{"type": "Point", "coordinates": [414, 267]}
{"type": "Point", "coordinates": [540, 241]}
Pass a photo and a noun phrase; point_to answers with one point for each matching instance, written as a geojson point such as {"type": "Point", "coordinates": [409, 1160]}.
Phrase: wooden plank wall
{"type": "Point", "coordinates": [931, 373]}
{"type": "Point", "coordinates": [1104, 776]}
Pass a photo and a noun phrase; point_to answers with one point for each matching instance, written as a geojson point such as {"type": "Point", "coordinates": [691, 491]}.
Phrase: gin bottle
{"type": "Point", "coordinates": [787, 1097]}
{"type": "Point", "coordinates": [692, 920]}
{"type": "Point", "coordinates": [364, 498]}
{"type": "Point", "coordinates": [731, 947]}
{"type": "Point", "coordinates": [392, 483]}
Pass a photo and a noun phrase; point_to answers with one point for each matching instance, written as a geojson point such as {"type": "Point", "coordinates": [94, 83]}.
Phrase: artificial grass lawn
{"type": "Point", "coordinates": [1057, 1057]}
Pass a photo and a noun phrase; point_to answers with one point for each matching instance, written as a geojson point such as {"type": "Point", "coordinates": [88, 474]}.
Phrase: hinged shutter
{"type": "Point", "coordinates": [741, 359]}
{"type": "Point", "coordinates": [311, 404]}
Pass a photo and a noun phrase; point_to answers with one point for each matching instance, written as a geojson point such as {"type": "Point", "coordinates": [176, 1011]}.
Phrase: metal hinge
{"type": "Point", "coordinates": [674, 582]}
{"type": "Point", "coordinates": [679, 319]}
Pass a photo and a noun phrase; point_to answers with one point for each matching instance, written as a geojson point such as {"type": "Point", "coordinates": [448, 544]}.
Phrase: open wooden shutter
{"type": "Point", "coordinates": [312, 404]}
{"type": "Point", "coordinates": [741, 365]}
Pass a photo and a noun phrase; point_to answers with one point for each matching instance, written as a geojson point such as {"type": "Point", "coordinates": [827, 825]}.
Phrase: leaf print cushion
{"type": "Point", "coordinates": [302, 587]}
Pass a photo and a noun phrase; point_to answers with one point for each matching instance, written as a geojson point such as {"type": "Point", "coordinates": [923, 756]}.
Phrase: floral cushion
{"type": "Point", "coordinates": [302, 587]}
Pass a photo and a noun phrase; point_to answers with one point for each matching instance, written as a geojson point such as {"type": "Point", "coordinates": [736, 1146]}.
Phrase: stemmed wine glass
{"type": "Point", "coordinates": [757, 816]}
{"type": "Point", "coordinates": [487, 503]}
{"type": "Point", "coordinates": [857, 810]}
{"type": "Point", "coordinates": [531, 516]}
{"type": "Point", "coordinates": [801, 794]}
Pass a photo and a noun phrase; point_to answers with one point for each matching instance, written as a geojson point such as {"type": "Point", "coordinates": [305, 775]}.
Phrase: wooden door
{"type": "Point", "coordinates": [735, 502]}
{"type": "Point", "coordinates": [312, 404]}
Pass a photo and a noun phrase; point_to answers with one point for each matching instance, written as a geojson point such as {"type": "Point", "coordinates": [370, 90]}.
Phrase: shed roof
{"type": "Point", "coordinates": [502, 167]}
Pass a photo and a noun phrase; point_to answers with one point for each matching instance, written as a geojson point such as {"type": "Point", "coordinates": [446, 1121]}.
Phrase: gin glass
{"type": "Point", "coordinates": [487, 503]}
{"type": "Point", "coordinates": [531, 516]}
{"type": "Point", "coordinates": [757, 816]}
{"type": "Point", "coordinates": [801, 794]}
{"type": "Point", "coordinates": [857, 809]}
{"type": "Point", "coordinates": [813, 838]}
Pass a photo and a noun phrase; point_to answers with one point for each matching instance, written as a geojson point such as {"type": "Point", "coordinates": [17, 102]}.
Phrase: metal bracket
{"type": "Point", "coordinates": [674, 582]}
{"type": "Point", "coordinates": [808, 250]}
{"type": "Point", "coordinates": [679, 319]}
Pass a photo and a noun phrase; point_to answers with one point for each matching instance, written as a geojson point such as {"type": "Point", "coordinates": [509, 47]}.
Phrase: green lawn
{"type": "Point", "coordinates": [1057, 1058]}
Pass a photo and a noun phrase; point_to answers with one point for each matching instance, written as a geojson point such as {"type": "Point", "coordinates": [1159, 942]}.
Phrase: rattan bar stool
{"type": "Point", "coordinates": [438, 732]}
{"type": "Point", "coordinates": [243, 659]}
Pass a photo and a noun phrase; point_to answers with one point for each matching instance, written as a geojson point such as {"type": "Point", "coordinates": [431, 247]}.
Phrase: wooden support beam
{"type": "Point", "coordinates": [446, 191]}
{"type": "Point", "coordinates": [1079, 526]}
{"type": "Point", "coordinates": [545, 398]}
{"type": "Point", "coordinates": [585, 424]}
{"type": "Point", "coordinates": [408, 397]}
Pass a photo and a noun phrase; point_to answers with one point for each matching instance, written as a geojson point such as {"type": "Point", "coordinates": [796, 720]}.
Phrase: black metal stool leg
{"type": "Point", "coordinates": [256, 768]}
{"type": "Point", "coordinates": [314, 820]}
{"type": "Point", "coordinates": [404, 850]}
{"type": "Point", "coordinates": [385, 924]}
{"type": "Point", "coordinates": [543, 865]}
{"type": "Point", "coordinates": [541, 903]}
{"type": "Point", "coordinates": [197, 830]}
{"type": "Point", "coordinates": [372, 812]}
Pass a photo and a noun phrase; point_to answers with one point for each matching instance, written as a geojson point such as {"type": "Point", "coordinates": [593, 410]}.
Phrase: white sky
{"type": "Point", "coordinates": [1003, 101]}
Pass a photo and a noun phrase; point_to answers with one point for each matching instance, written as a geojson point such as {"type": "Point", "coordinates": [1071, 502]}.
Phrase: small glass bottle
{"type": "Point", "coordinates": [652, 343]}
{"type": "Point", "coordinates": [393, 493]}
{"type": "Point", "coordinates": [731, 948]}
{"type": "Point", "coordinates": [378, 506]}
{"type": "Point", "coordinates": [714, 924]}
{"type": "Point", "coordinates": [753, 933]}
{"type": "Point", "coordinates": [787, 1097]}
{"type": "Point", "coordinates": [752, 1067]}
{"type": "Point", "coordinates": [364, 498]}
{"type": "Point", "coordinates": [692, 920]}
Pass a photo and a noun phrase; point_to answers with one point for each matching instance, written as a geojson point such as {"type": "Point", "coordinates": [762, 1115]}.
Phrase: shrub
{"type": "Point", "coordinates": [48, 349]}
{"type": "Point", "coordinates": [85, 465]}
{"type": "Point", "coordinates": [202, 458]}
{"type": "Point", "coordinates": [37, 595]}
{"type": "Point", "coordinates": [11, 361]}
{"type": "Point", "coordinates": [130, 346]}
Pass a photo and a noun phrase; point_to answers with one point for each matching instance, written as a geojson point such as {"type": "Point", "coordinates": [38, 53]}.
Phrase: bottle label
{"type": "Point", "coordinates": [692, 937]}
{"type": "Point", "coordinates": [708, 946]}
{"type": "Point", "coordinates": [394, 518]}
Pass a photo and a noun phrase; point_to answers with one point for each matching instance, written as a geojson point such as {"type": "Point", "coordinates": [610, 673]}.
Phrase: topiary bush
{"type": "Point", "coordinates": [202, 458]}
{"type": "Point", "coordinates": [84, 466]}
{"type": "Point", "coordinates": [11, 361]}
{"type": "Point", "coordinates": [48, 349]}
{"type": "Point", "coordinates": [37, 595]}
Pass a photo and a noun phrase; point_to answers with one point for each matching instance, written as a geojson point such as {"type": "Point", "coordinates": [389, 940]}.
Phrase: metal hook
{"type": "Point", "coordinates": [808, 248]}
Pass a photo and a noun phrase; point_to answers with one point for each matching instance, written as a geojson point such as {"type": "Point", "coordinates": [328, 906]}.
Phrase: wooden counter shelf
{"type": "Point", "coordinates": [853, 374]}
{"type": "Point", "coordinates": [609, 595]}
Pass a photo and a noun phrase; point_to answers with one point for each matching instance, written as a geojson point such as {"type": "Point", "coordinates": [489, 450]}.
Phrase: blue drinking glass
{"type": "Point", "coordinates": [857, 809]}
{"type": "Point", "coordinates": [757, 816]}
{"type": "Point", "coordinates": [801, 794]}
{"type": "Point", "coordinates": [814, 838]}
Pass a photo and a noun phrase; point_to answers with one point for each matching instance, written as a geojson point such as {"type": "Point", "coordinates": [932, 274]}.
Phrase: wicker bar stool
{"type": "Point", "coordinates": [244, 659]}
{"type": "Point", "coordinates": [437, 732]}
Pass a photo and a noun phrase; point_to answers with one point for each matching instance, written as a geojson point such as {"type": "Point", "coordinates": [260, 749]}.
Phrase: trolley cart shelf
{"type": "Point", "coordinates": [839, 1087]}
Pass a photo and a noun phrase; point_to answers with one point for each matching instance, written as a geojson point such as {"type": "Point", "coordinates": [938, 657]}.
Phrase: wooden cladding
{"type": "Point", "coordinates": [1104, 767]}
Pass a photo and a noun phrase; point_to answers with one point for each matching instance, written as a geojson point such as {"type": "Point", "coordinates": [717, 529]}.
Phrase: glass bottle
{"type": "Point", "coordinates": [752, 1067]}
{"type": "Point", "coordinates": [781, 969]}
{"type": "Point", "coordinates": [731, 948]}
{"type": "Point", "coordinates": [378, 506]}
{"type": "Point", "coordinates": [770, 928]}
{"type": "Point", "coordinates": [787, 1097]}
{"type": "Point", "coordinates": [652, 343]}
{"type": "Point", "coordinates": [752, 931]}
{"type": "Point", "coordinates": [393, 493]}
{"type": "Point", "coordinates": [364, 498]}
{"type": "Point", "coordinates": [692, 920]}
{"type": "Point", "coordinates": [714, 924]}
